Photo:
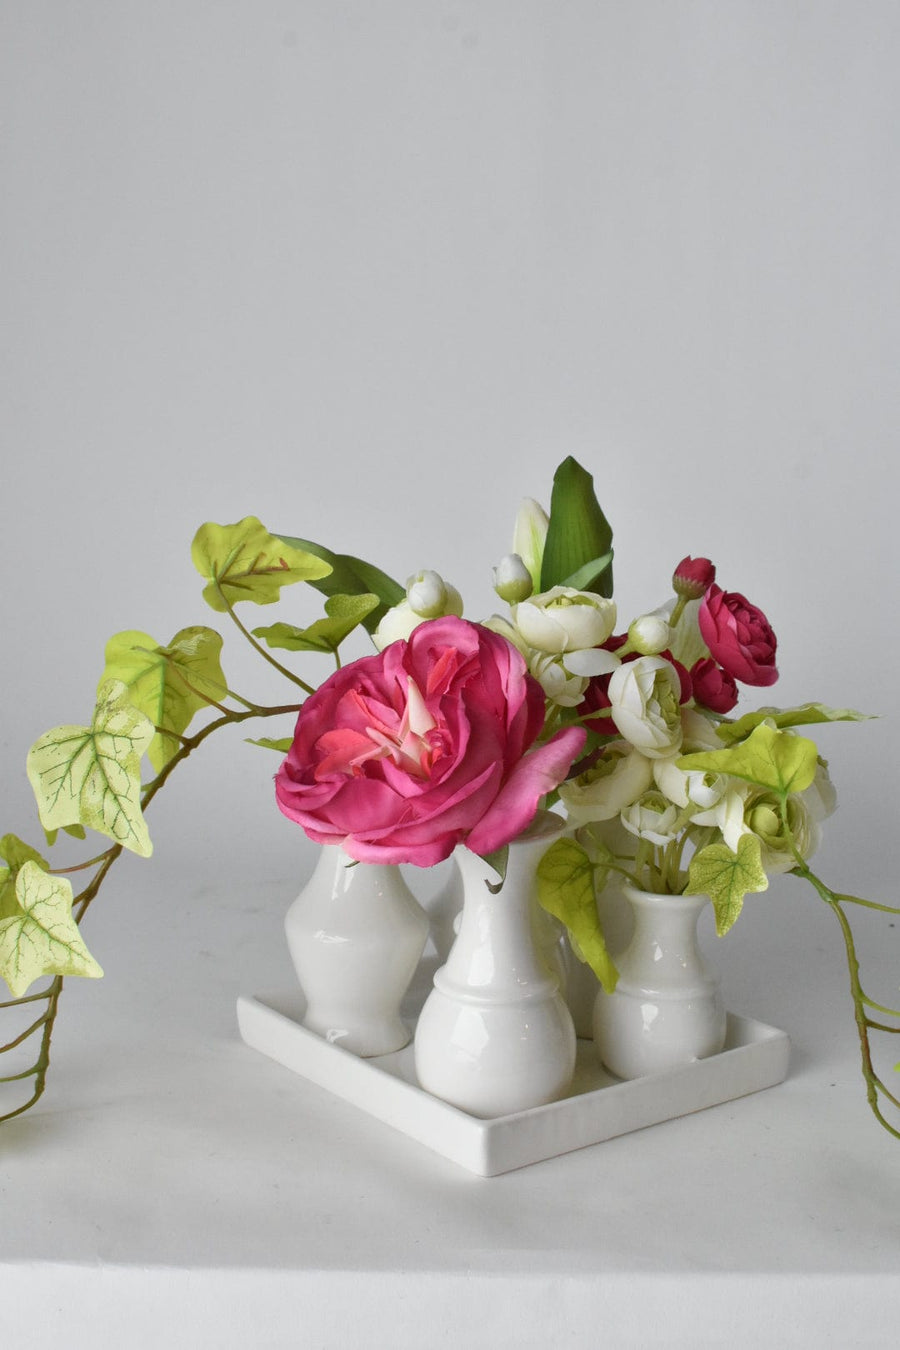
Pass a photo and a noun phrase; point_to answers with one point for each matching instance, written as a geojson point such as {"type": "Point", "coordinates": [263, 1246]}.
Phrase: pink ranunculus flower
{"type": "Point", "coordinates": [713, 686]}
{"type": "Point", "coordinates": [431, 743]}
{"type": "Point", "coordinates": [738, 636]}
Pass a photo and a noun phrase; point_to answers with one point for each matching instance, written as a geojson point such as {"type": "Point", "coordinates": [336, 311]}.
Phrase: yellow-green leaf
{"type": "Point", "coordinates": [91, 775]}
{"type": "Point", "coordinates": [245, 562]}
{"type": "Point", "coordinates": [282, 744]}
{"type": "Point", "coordinates": [727, 877]}
{"type": "Point", "coordinates": [777, 760]}
{"type": "Point", "coordinates": [42, 937]}
{"type": "Point", "coordinates": [344, 613]}
{"type": "Point", "coordinates": [168, 684]}
{"type": "Point", "coordinates": [808, 714]}
{"type": "Point", "coordinates": [565, 878]}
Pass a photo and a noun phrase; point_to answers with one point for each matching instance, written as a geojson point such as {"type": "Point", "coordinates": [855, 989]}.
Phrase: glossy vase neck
{"type": "Point", "coordinates": [499, 943]}
{"type": "Point", "coordinates": [665, 934]}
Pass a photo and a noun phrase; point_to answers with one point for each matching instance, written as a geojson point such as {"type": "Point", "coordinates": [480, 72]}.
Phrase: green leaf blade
{"type": "Point", "coordinates": [565, 878]}
{"type": "Point", "coordinates": [352, 576]}
{"type": "Point", "coordinates": [578, 534]}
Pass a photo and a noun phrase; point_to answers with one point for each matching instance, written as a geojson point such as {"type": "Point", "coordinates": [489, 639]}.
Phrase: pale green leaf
{"type": "Point", "coordinates": [245, 562]}
{"type": "Point", "coordinates": [168, 684]}
{"type": "Point", "coordinates": [42, 937]}
{"type": "Point", "coordinates": [76, 831]}
{"type": "Point", "coordinates": [282, 744]}
{"type": "Point", "coordinates": [578, 533]}
{"type": "Point", "coordinates": [91, 775]}
{"type": "Point", "coordinates": [727, 877]}
{"type": "Point", "coordinates": [344, 613]}
{"type": "Point", "coordinates": [565, 877]}
{"type": "Point", "coordinates": [15, 853]}
{"type": "Point", "coordinates": [353, 576]}
{"type": "Point", "coordinates": [777, 760]}
{"type": "Point", "coordinates": [808, 714]}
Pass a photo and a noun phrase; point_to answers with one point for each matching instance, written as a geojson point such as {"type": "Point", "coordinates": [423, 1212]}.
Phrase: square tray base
{"type": "Point", "coordinates": [598, 1106]}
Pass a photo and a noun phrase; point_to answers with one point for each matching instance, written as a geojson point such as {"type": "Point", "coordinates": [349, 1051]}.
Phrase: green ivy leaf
{"type": "Point", "coordinates": [245, 562]}
{"type": "Point", "coordinates": [807, 714]}
{"type": "Point", "coordinates": [578, 534]}
{"type": "Point", "coordinates": [42, 937]}
{"type": "Point", "coordinates": [168, 684]}
{"type": "Point", "coordinates": [344, 613]}
{"type": "Point", "coordinates": [76, 831]}
{"type": "Point", "coordinates": [282, 745]}
{"type": "Point", "coordinates": [727, 877]}
{"type": "Point", "coordinates": [91, 775]}
{"type": "Point", "coordinates": [565, 877]}
{"type": "Point", "coordinates": [353, 576]}
{"type": "Point", "coordinates": [772, 759]}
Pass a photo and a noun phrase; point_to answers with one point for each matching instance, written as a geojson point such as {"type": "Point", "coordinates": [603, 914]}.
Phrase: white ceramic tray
{"type": "Point", "coordinates": [598, 1107]}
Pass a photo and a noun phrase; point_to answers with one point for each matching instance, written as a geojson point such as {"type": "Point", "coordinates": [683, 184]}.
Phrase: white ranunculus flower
{"type": "Point", "coordinates": [560, 686]}
{"type": "Point", "coordinates": [645, 698]}
{"type": "Point", "coordinates": [728, 814]}
{"type": "Point", "coordinates": [686, 641]}
{"type": "Point", "coordinates": [652, 817]}
{"type": "Point", "coordinates": [694, 786]}
{"type": "Point", "coordinates": [565, 620]}
{"type": "Point", "coordinates": [621, 776]}
{"type": "Point", "coordinates": [397, 623]}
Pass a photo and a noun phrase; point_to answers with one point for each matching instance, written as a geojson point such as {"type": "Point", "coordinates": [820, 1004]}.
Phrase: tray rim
{"type": "Point", "coordinates": [756, 1057]}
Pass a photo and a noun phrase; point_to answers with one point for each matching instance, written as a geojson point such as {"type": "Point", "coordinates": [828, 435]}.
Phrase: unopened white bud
{"type": "Point", "coordinates": [512, 579]}
{"type": "Point", "coordinates": [427, 594]}
{"type": "Point", "coordinates": [649, 635]}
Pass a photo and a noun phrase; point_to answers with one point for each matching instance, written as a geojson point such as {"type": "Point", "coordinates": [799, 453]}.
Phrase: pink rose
{"type": "Point", "coordinates": [693, 577]}
{"type": "Point", "coordinates": [404, 755]}
{"type": "Point", "coordinates": [738, 636]}
{"type": "Point", "coordinates": [713, 686]}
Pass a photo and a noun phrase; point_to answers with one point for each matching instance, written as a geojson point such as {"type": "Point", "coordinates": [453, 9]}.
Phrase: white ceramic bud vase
{"type": "Point", "coordinates": [667, 1009]}
{"type": "Point", "coordinates": [495, 1035]}
{"type": "Point", "coordinates": [356, 933]}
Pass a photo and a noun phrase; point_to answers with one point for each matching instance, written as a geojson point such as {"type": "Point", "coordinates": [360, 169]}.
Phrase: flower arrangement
{"type": "Point", "coordinates": [451, 733]}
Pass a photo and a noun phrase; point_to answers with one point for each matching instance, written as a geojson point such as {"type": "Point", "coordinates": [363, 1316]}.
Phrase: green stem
{"type": "Point", "coordinates": [82, 902]}
{"type": "Point", "coordinates": [257, 647]}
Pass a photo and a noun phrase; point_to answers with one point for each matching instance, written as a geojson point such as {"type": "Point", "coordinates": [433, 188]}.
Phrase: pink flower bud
{"type": "Point", "coordinates": [693, 577]}
{"type": "Point", "coordinates": [713, 686]}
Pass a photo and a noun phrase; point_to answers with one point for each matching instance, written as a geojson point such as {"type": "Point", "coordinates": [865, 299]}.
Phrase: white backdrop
{"type": "Point", "coordinates": [369, 271]}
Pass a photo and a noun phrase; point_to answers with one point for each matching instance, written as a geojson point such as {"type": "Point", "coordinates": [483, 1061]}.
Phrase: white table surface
{"type": "Point", "coordinates": [176, 1188]}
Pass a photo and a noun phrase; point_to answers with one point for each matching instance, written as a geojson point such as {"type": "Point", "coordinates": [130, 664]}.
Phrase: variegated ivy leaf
{"type": "Point", "coordinates": [777, 760]}
{"type": "Point", "coordinates": [15, 853]}
{"type": "Point", "coordinates": [41, 936]}
{"type": "Point", "coordinates": [245, 562]}
{"type": "Point", "coordinates": [91, 775]}
{"type": "Point", "coordinates": [727, 877]}
{"type": "Point", "coordinates": [565, 878]}
{"type": "Point", "coordinates": [168, 684]}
